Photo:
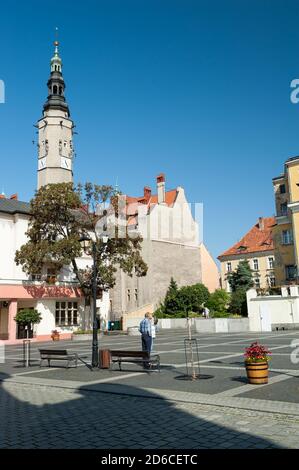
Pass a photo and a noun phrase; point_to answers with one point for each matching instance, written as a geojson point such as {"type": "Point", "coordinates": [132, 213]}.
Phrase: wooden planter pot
{"type": "Point", "coordinates": [257, 372]}
{"type": "Point", "coordinates": [55, 337]}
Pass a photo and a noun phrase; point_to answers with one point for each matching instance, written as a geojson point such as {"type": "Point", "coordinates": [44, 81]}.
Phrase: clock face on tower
{"type": "Point", "coordinates": [65, 163]}
{"type": "Point", "coordinates": [42, 163]}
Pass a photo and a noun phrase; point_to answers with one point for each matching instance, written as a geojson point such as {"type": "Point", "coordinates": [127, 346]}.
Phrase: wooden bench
{"type": "Point", "coordinates": [57, 355]}
{"type": "Point", "coordinates": [137, 357]}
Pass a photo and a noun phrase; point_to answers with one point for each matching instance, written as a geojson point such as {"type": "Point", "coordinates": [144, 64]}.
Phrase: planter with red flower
{"type": "Point", "coordinates": [55, 335]}
{"type": "Point", "coordinates": [256, 363]}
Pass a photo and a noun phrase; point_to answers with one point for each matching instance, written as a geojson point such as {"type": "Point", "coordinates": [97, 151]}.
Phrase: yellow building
{"type": "Point", "coordinates": [286, 230]}
{"type": "Point", "coordinates": [256, 247]}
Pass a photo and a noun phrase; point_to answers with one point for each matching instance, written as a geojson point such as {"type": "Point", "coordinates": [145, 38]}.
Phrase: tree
{"type": "Point", "coordinates": [238, 302]}
{"type": "Point", "coordinates": [171, 303]}
{"type": "Point", "coordinates": [28, 316]}
{"type": "Point", "coordinates": [184, 300]}
{"type": "Point", "coordinates": [241, 277]}
{"type": "Point", "coordinates": [173, 288]}
{"type": "Point", "coordinates": [193, 297]}
{"type": "Point", "coordinates": [218, 301]}
{"type": "Point", "coordinates": [240, 281]}
{"type": "Point", "coordinates": [60, 216]}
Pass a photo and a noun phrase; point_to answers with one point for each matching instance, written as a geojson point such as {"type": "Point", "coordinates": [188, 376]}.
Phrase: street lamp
{"type": "Point", "coordinates": [86, 241]}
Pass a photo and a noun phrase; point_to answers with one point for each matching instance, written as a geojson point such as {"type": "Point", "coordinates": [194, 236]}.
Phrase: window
{"type": "Point", "coordinates": [291, 272]}
{"type": "Point", "coordinates": [129, 295]}
{"type": "Point", "coordinates": [287, 237]}
{"type": "Point", "coordinates": [284, 208]}
{"type": "Point", "coordinates": [55, 90]}
{"type": "Point", "coordinates": [228, 267]}
{"type": "Point", "coordinates": [136, 295]}
{"type": "Point", "coordinates": [257, 282]}
{"type": "Point", "coordinates": [256, 264]}
{"type": "Point", "coordinates": [36, 277]}
{"type": "Point", "coordinates": [282, 188]}
{"type": "Point", "coordinates": [66, 313]}
{"type": "Point", "coordinates": [272, 281]}
{"type": "Point", "coordinates": [271, 262]}
{"type": "Point", "coordinates": [51, 276]}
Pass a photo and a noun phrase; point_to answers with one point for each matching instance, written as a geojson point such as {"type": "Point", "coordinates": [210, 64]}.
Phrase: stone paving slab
{"type": "Point", "coordinates": [82, 419]}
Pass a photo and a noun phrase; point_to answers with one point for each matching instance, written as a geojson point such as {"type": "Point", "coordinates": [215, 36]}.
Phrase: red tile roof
{"type": "Point", "coordinates": [259, 238]}
{"type": "Point", "coordinates": [134, 202]}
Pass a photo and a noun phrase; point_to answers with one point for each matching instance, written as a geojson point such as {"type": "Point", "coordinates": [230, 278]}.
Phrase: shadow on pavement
{"type": "Point", "coordinates": [52, 417]}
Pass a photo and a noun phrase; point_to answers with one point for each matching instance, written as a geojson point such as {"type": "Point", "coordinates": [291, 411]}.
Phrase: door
{"type": "Point", "coordinates": [265, 317]}
{"type": "Point", "coordinates": [3, 323]}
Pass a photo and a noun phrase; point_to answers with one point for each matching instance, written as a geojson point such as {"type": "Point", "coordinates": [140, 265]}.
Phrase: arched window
{"type": "Point", "coordinates": [55, 68]}
{"type": "Point", "coordinates": [60, 90]}
{"type": "Point", "coordinates": [55, 89]}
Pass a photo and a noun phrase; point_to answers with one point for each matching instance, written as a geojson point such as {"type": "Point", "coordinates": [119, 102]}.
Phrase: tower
{"type": "Point", "coordinates": [55, 131]}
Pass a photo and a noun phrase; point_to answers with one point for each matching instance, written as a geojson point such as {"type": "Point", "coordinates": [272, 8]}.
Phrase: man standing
{"type": "Point", "coordinates": [145, 329]}
{"type": "Point", "coordinates": [206, 312]}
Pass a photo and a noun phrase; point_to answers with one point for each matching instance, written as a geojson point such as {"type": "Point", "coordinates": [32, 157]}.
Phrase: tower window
{"type": "Point", "coordinates": [282, 188]}
{"type": "Point", "coordinates": [60, 90]}
{"type": "Point", "coordinates": [55, 89]}
{"type": "Point", "coordinates": [55, 68]}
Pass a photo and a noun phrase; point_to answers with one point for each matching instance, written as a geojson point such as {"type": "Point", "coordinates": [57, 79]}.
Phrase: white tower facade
{"type": "Point", "coordinates": [55, 131]}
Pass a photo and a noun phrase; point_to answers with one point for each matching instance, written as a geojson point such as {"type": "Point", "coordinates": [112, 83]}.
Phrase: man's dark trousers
{"type": "Point", "coordinates": [146, 346]}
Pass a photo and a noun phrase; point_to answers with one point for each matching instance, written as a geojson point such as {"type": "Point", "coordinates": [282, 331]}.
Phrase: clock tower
{"type": "Point", "coordinates": [55, 131]}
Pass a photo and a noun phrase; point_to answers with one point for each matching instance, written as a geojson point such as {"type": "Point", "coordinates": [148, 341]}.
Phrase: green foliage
{"type": "Point", "coordinates": [218, 301]}
{"type": "Point", "coordinates": [28, 316]}
{"type": "Point", "coordinates": [173, 288]}
{"type": "Point", "coordinates": [238, 303]}
{"type": "Point", "coordinates": [193, 297]}
{"type": "Point", "coordinates": [180, 302]}
{"type": "Point", "coordinates": [60, 216]}
{"type": "Point", "coordinates": [242, 277]}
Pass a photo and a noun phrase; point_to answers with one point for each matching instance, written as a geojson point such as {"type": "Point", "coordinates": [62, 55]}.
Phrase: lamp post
{"type": "Point", "coordinates": [95, 344]}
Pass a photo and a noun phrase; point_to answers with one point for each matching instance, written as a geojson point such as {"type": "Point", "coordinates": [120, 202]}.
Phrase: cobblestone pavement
{"type": "Point", "coordinates": [84, 408]}
{"type": "Point", "coordinates": [35, 416]}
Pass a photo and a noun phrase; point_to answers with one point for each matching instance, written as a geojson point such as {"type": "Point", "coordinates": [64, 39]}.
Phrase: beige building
{"type": "Point", "coordinates": [286, 232]}
{"type": "Point", "coordinates": [171, 248]}
{"type": "Point", "coordinates": [257, 247]}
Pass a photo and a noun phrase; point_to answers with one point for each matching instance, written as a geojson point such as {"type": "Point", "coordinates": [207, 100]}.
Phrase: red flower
{"type": "Point", "coordinates": [256, 352]}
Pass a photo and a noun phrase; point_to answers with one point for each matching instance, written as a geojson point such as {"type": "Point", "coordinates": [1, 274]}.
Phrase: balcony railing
{"type": "Point", "coordinates": [44, 280]}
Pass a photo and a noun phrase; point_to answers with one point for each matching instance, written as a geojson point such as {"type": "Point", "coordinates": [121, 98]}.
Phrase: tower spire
{"type": "Point", "coordinates": [56, 85]}
{"type": "Point", "coordinates": [55, 129]}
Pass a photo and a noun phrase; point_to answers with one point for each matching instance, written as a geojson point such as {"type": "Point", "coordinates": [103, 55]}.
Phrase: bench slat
{"type": "Point", "coordinates": [141, 354]}
{"type": "Point", "coordinates": [53, 352]}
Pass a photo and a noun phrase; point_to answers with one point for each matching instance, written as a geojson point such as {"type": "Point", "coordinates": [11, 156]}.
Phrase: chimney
{"type": "Point", "coordinates": [147, 192]}
{"type": "Point", "coordinates": [161, 188]}
{"type": "Point", "coordinates": [261, 223]}
{"type": "Point", "coordinates": [14, 196]}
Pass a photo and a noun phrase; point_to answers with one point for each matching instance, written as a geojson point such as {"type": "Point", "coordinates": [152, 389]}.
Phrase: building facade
{"type": "Point", "coordinates": [258, 248]}
{"type": "Point", "coordinates": [171, 247]}
{"type": "Point", "coordinates": [286, 232]}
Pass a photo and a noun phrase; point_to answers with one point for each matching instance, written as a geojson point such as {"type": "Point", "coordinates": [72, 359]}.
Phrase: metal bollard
{"type": "Point", "coordinates": [26, 352]}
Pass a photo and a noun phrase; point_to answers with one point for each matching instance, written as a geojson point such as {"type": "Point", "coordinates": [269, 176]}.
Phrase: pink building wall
{"type": "Point", "coordinates": [209, 269]}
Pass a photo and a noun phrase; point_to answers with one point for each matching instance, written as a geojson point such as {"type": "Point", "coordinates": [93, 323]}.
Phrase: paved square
{"type": "Point", "coordinates": [84, 408]}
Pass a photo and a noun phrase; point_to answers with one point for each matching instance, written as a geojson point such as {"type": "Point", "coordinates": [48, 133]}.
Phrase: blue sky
{"type": "Point", "coordinates": [199, 90]}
